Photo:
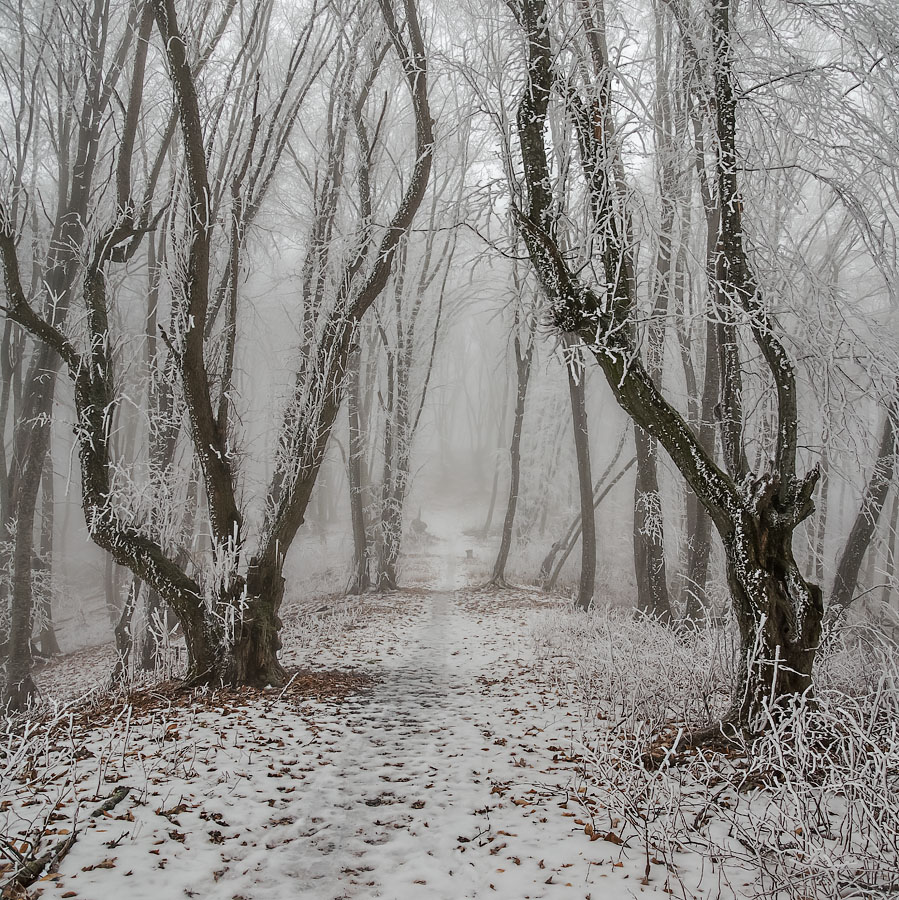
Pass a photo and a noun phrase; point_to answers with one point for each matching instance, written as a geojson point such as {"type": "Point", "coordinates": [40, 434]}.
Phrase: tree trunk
{"type": "Point", "coordinates": [32, 441]}
{"type": "Point", "coordinates": [699, 526]}
{"type": "Point", "coordinates": [649, 546]}
{"type": "Point", "coordinates": [48, 643]}
{"type": "Point", "coordinates": [392, 527]}
{"type": "Point", "coordinates": [151, 640]}
{"type": "Point", "coordinates": [11, 356]}
{"type": "Point", "coordinates": [573, 531]}
{"type": "Point", "coordinates": [873, 499]}
{"type": "Point", "coordinates": [395, 496]}
{"type": "Point", "coordinates": [111, 590]}
{"type": "Point", "coordinates": [891, 552]}
{"type": "Point", "coordinates": [494, 491]}
{"type": "Point", "coordinates": [821, 507]}
{"type": "Point", "coordinates": [124, 634]}
{"type": "Point", "coordinates": [355, 468]}
{"type": "Point", "coordinates": [577, 392]}
{"type": "Point", "coordinates": [699, 523]}
{"type": "Point", "coordinates": [779, 616]}
{"type": "Point", "coordinates": [253, 656]}
{"type": "Point", "coordinates": [20, 688]}
{"type": "Point", "coordinates": [566, 545]}
{"type": "Point", "coordinates": [389, 519]}
{"type": "Point", "coordinates": [523, 371]}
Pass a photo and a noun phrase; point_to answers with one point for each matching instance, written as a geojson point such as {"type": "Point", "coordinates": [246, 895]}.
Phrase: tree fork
{"type": "Point", "coordinates": [779, 613]}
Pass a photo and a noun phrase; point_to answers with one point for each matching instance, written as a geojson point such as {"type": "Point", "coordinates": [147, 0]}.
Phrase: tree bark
{"type": "Point", "coordinates": [32, 443]}
{"type": "Point", "coordinates": [151, 639]}
{"type": "Point", "coordinates": [577, 392]}
{"type": "Point", "coordinates": [124, 633]}
{"type": "Point", "coordinates": [778, 641]}
{"type": "Point", "coordinates": [523, 359]}
{"type": "Point", "coordinates": [48, 642]}
{"type": "Point", "coordinates": [253, 656]}
{"type": "Point", "coordinates": [820, 520]}
{"type": "Point", "coordinates": [649, 539]}
{"type": "Point", "coordinates": [111, 590]}
{"type": "Point", "coordinates": [494, 492]}
{"type": "Point", "coordinates": [891, 553]}
{"type": "Point", "coordinates": [355, 469]}
{"type": "Point", "coordinates": [865, 525]}
{"type": "Point", "coordinates": [699, 523]}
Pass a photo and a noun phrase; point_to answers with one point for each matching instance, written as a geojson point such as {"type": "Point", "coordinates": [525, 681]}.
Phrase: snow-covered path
{"type": "Point", "coordinates": [450, 776]}
{"type": "Point", "coordinates": [440, 780]}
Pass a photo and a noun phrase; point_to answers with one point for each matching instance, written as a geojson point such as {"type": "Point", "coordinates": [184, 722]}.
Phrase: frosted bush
{"type": "Point", "coordinates": [808, 810]}
{"type": "Point", "coordinates": [309, 628]}
{"type": "Point", "coordinates": [624, 666]}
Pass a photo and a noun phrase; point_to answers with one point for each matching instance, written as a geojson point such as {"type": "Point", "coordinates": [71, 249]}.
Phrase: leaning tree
{"type": "Point", "coordinates": [778, 611]}
{"type": "Point", "coordinates": [62, 84]}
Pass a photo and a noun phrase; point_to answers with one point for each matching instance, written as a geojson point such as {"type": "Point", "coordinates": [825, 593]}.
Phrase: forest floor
{"type": "Point", "coordinates": [418, 752]}
{"type": "Point", "coordinates": [426, 746]}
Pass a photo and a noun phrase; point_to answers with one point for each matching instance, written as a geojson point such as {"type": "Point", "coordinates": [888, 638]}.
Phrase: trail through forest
{"type": "Point", "coordinates": [442, 766]}
{"type": "Point", "coordinates": [435, 780]}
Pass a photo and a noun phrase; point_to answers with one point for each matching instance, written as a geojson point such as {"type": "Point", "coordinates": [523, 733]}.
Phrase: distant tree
{"type": "Point", "coordinates": [409, 328]}
{"type": "Point", "coordinates": [864, 527]}
{"type": "Point", "coordinates": [523, 346]}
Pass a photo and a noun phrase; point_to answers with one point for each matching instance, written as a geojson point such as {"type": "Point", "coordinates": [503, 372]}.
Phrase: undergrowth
{"type": "Point", "coordinates": [808, 810]}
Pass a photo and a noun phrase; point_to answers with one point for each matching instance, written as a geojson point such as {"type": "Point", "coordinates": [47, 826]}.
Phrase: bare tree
{"type": "Point", "coordinates": [84, 74]}
{"type": "Point", "coordinates": [410, 349]}
{"type": "Point", "coordinates": [230, 614]}
{"type": "Point", "coordinates": [577, 388]}
{"type": "Point", "coordinates": [523, 355]}
{"type": "Point", "coordinates": [864, 527]}
{"type": "Point", "coordinates": [552, 564]}
{"type": "Point", "coordinates": [778, 612]}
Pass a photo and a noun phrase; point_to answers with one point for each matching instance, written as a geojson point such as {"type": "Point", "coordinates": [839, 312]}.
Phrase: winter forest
{"type": "Point", "coordinates": [449, 449]}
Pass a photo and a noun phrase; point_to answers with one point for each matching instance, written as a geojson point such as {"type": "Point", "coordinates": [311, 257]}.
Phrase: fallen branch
{"type": "Point", "coordinates": [31, 869]}
{"type": "Point", "coordinates": [117, 796]}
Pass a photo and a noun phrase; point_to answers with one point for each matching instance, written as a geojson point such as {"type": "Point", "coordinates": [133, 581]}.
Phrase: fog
{"type": "Point", "coordinates": [548, 337]}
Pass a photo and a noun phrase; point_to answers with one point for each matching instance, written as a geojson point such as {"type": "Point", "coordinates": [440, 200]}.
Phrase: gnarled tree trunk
{"type": "Point", "coordinates": [778, 611]}
{"type": "Point", "coordinates": [253, 653]}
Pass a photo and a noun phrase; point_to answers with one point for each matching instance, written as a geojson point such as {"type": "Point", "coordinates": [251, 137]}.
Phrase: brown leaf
{"type": "Point", "coordinates": [103, 864]}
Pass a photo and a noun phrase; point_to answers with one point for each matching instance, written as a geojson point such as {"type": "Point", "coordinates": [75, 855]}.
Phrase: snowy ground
{"type": "Point", "coordinates": [427, 747]}
{"type": "Point", "coordinates": [442, 767]}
